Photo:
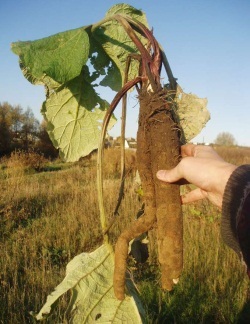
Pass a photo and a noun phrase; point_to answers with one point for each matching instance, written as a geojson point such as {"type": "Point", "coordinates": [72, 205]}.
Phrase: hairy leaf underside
{"type": "Point", "coordinates": [90, 278]}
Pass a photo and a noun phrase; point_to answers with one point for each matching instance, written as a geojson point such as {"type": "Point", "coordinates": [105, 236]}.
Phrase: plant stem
{"type": "Point", "coordinates": [171, 78]}
{"type": "Point", "coordinates": [114, 103]}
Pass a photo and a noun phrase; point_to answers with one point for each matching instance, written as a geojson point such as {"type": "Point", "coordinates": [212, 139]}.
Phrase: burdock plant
{"type": "Point", "coordinates": [119, 52]}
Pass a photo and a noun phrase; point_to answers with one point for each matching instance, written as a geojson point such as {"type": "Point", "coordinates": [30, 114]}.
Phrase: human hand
{"type": "Point", "coordinates": [203, 167]}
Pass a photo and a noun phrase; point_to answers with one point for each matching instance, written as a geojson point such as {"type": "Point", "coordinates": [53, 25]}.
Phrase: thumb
{"type": "Point", "coordinates": [169, 175]}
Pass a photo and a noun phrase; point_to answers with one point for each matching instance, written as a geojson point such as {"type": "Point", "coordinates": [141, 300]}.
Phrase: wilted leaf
{"type": "Point", "coordinates": [192, 113]}
{"type": "Point", "coordinates": [118, 45]}
{"type": "Point", "coordinates": [104, 66]}
{"type": "Point", "coordinates": [90, 277]}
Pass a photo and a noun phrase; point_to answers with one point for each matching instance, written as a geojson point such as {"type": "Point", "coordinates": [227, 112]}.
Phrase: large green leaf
{"type": "Point", "coordinates": [73, 109]}
{"type": "Point", "coordinates": [60, 57]}
{"type": "Point", "coordinates": [90, 278]}
{"type": "Point", "coordinates": [74, 114]}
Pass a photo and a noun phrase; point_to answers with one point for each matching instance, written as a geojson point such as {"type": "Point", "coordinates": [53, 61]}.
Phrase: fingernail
{"type": "Point", "coordinates": [160, 174]}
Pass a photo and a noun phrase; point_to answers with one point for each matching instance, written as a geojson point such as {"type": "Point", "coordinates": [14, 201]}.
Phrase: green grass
{"type": "Point", "coordinates": [47, 218]}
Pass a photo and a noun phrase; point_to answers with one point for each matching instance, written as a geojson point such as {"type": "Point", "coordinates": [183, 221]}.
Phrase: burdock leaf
{"type": "Point", "coordinates": [192, 113]}
{"type": "Point", "coordinates": [117, 44]}
{"type": "Point", "coordinates": [74, 115]}
{"type": "Point", "coordinates": [73, 110]}
{"type": "Point", "coordinates": [104, 66]}
{"type": "Point", "coordinates": [90, 278]}
{"type": "Point", "coordinates": [59, 57]}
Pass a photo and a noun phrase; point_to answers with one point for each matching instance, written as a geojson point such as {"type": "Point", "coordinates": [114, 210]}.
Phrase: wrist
{"type": "Point", "coordinates": [234, 214]}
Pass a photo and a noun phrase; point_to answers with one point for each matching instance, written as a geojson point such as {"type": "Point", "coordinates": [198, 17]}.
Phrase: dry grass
{"type": "Point", "coordinates": [235, 155]}
{"type": "Point", "coordinates": [47, 218]}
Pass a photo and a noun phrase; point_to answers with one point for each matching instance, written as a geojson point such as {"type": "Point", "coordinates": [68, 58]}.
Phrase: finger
{"type": "Point", "coordinates": [194, 195]}
{"type": "Point", "coordinates": [172, 175]}
{"type": "Point", "coordinates": [207, 152]}
{"type": "Point", "coordinates": [188, 150]}
{"type": "Point", "coordinates": [200, 151]}
{"type": "Point", "coordinates": [182, 172]}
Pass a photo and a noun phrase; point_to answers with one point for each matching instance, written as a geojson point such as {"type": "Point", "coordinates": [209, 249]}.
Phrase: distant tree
{"type": "Point", "coordinates": [225, 139]}
{"type": "Point", "coordinates": [16, 120]}
{"type": "Point", "coordinates": [18, 129]}
{"type": "Point", "coordinates": [5, 125]}
{"type": "Point", "coordinates": [44, 144]}
{"type": "Point", "coordinates": [29, 129]}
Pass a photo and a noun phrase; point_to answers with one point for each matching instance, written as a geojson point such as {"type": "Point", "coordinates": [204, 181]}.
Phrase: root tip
{"type": "Point", "coordinates": [119, 296]}
{"type": "Point", "coordinates": [175, 281]}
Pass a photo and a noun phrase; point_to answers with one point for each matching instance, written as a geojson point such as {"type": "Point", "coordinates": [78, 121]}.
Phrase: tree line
{"type": "Point", "coordinates": [20, 130]}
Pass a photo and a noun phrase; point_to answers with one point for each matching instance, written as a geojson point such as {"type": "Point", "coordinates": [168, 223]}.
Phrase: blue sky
{"type": "Point", "coordinates": [207, 44]}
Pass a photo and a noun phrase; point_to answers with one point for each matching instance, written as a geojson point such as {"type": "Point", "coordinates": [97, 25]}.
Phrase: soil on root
{"type": "Point", "coordinates": [157, 148]}
{"type": "Point", "coordinates": [160, 135]}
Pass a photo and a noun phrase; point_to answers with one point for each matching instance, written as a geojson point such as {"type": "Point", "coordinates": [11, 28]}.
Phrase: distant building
{"type": "Point", "coordinates": [130, 142]}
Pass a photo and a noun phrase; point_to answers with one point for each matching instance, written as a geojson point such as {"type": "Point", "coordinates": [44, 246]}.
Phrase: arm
{"type": "Point", "coordinates": [235, 221]}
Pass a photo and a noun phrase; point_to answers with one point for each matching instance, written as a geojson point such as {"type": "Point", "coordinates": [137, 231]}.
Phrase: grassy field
{"type": "Point", "coordinates": [48, 217]}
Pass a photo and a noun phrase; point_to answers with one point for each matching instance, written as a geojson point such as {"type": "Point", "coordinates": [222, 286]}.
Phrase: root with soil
{"type": "Point", "coordinates": [157, 148]}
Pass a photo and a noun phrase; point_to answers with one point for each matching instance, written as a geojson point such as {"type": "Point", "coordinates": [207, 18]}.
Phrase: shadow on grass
{"type": "Point", "coordinates": [22, 212]}
{"type": "Point", "coordinates": [191, 301]}
{"type": "Point", "coordinates": [244, 316]}
{"type": "Point", "coordinates": [51, 168]}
